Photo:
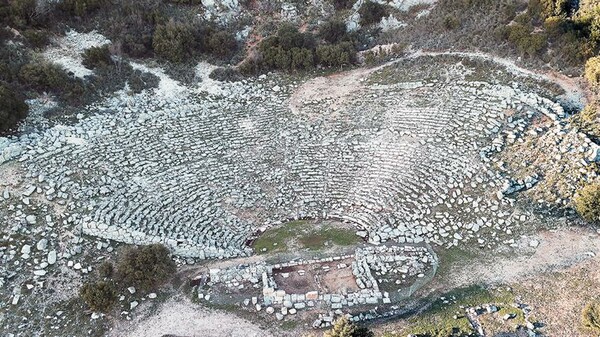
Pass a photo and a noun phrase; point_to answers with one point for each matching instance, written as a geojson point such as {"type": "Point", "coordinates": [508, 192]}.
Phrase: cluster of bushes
{"type": "Point", "coordinates": [145, 268]}
{"type": "Point", "coordinates": [81, 7]}
{"type": "Point", "coordinates": [227, 74]}
{"type": "Point", "coordinates": [574, 37]}
{"type": "Point", "coordinates": [292, 50]}
{"type": "Point", "coordinates": [176, 41]}
{"type": "Point", "coordinates": [95, 57]}
{"type": "Point", "coordinates": [44, 76]}
{"type": "Point", "coordinates": [12, 107]}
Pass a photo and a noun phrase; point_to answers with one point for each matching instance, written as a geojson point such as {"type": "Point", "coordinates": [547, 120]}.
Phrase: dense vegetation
{"type": "Point", "coordinates": [146, 268]}
{"type": "Point", "coordinates": [12, 107]}
{"type": "Point", "coordinates": [292, 50]}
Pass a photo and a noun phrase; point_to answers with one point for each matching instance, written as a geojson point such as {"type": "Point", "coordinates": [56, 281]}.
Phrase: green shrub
{"type": "Point", "coordinates": [106, 269]}
{"type": "Point", "coordinates": [228, 74]}
{"type": "Point", "coordinates": [173, 41]}
{"type": "Point", "coordinates": [587, 119]}
{"type": "Point", "coordinates": [22, 12]}
{"type": "Point", "coordinates": [145, 267]}
{"type": "Point", "coordinates": [12, 108]}
{"type": "Point", "coordinates": [139, 80]}
{"type": "Point", "coordinates": [289, 37]}
{"type": "Point", "coordinates": [592, 71]}
{"type": "Point", "coordinates": [95, 57]}
{"type": "Point", "coordinates": [336, 55]}
{"type": "Point", "coordinates": [222, 44]}
{"type": "Point", "coordinates": [48, 77]}
{"type": "Point", "coordinates": [36, 38]}
{"type": "Point", "coordinates": [371, 13]}
{"type": "Point", "coordinates": [344, 328]}
{"type": "Point", "coordinates": [82, 7]}
{"type": "Point", "coordinates": [99, 296]}
{"type": "Point", "coordinates": [288, 50]}
{"type": "Point", "coordinates": [587, 202]}
{"type": "Point", "coordinates": [451, 22]}
{"type": "Point", "coordinates": [342, 4]}
{"type": "Point", "coordinates": [591, 316]}
{"type": "Point", "coordinates": [332, 31]}
{"type": "Point", "coordinates": [250, 66]}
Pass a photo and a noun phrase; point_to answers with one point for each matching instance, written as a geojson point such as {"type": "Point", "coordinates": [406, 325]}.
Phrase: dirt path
{"type": "Point", "coordinates": [340, 87]}
{"type": "Point", "coordinates": [557, 250]}
{"type": "Point", "coordinates": [574, 93]}
{"type": "Point", "coordinates": [180, 317]}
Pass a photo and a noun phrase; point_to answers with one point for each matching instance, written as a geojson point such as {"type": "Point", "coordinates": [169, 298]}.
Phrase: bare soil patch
{"type": "Point", "coordinates": [180, 317]}
{"type": "Point", "coordinates": [333, 278]}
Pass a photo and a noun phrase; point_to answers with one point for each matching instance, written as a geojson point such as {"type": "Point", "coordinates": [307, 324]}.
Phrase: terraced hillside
{"type": "Point", "coordinates": [401, 159]}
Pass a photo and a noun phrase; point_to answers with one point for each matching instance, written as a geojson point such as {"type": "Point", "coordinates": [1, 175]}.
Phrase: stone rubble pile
{"type": "Point", "coordinates": [409, 162]}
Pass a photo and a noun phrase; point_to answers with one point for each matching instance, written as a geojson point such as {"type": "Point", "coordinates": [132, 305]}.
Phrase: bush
{"type": "Point", "coordinates": [95, 57]}
{"type": "Point", "coordinates": [451, 22]}
{"type": "Point", "coordinates": [587, 119]}
{"type": "Point", "coordinates": [49, 77]}
{"type": "Point", "coordinates": [146, 267]}
{"type": "Point", "coordinates": [139, 80]}
{"type": "Point", "coordinates": [12, 108]}
{"type": "Point", "coordinates": [591, 316]}
{"type": "Point", "coordinates": [592, 71]}
{"type": "Point", "coordinates": [333, 31]}
{"type": "Point", "coordinates": [222, 44]}
{"type": "Point", "coordinates": [36, 38]}
{"type": "Point", "coordinates": [106, 269]}
{"type": "Point", "coordinates": [371, 13]}
{"type": "Point", "coordinates": [289, 37]}
{"type": "Point", "coordinates": [342, 4]}
{"type": "Point", "coordinates": [173, 41]}
{"type": "Point", "coordinates": [226, 75]}
{"type": "Point", "coordinates": [82, 7]}
{"type": "Point", "coordinates": [288, 50]}
{"type": "Point", "coordinates": [344, 328]}
{"type": "Point", "coordinates": [99, 296]}
{"type": "Point", "coordinates": [336, 55]}
{"type": "Point", "coordinates": [587, 202]}
{"type": "Point", "coordinates": [21, 12]}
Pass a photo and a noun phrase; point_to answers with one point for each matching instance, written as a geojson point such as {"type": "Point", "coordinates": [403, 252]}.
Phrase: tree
{"type": "Point", "coordinates": [99, 296]}
{"type": "Point", "coordinates": [146, 267]}
{"type": "Point", "coordinates": [371, 13]}
{"type": "Point", "coordinates": [587, 202]}
{"type": "Point", "coordinates": [591, 316]}
{"type": "Point", "coordinates": [173, 41]}
{"type": "Point", "coordinates": [12, 108]}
